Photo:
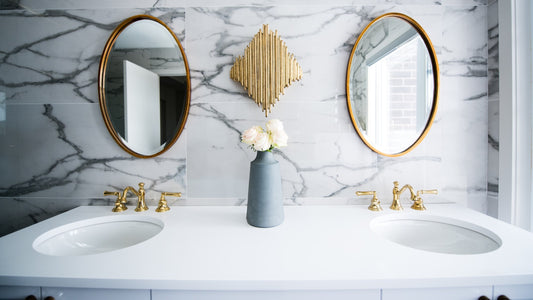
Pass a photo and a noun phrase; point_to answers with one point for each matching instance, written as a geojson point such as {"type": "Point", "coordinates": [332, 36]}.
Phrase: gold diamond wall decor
{"type": "Point", "coordinates": [266, 69]}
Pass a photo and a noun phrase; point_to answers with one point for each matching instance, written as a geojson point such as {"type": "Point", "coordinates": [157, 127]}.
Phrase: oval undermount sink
{"type": "Point", "coordinates": [97, 235]}
{"type": "Point", "coordinates": [436, 234]}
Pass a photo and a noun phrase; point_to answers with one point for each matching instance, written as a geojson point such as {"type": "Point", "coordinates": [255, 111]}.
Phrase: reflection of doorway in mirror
{"type": "Point", "coordinates": [141, 108]}
{"type": "Point", "coordinates": [398, 82]}
{"type": "Point", "coordinates": [173, 98]}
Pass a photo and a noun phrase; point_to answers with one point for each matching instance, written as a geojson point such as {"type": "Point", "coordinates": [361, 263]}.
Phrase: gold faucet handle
{"type": "Point", "coordinates": [365, 193]}
{"type": "Point", "coordinates": [434, 192]}
{"type": "Point", "coordinates": [141, 204]}
{"type": "Point", "coordinates": [171, 194]}
{"type": "Point", "coordinates": [418, 203]}
{"type": "Point", "coordinates": [120, 205]}
{"type": "Point", "coordinates": [163, 205]}
{"type": "Point", "coordinates": [108, 193]}
{"type": "Point", "coordinates": [374, 203]}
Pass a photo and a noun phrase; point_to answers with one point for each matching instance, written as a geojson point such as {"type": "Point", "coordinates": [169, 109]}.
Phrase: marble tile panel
{"type": "Point", "coordinates": [318, 138]}
{"type": "Point", "coordinates": [25, 212]}
{"type": "Point", "coordinates": [73, 155]}
{"type": "Point", "coordinates": [465, 54]}
{"type": "Point", "coordinates": [58, 152]}
{"type": "Point", "coordinates": [52, 56]}
{"type": "Point", "coordinates": [464, 104]}
{"type": "Point", "coordinates": [494, 109]}
{"type": "Point", "coordinates": [493, 145]}
{"type": "Point", "coordinates": [493, 48]}
{"type": "Point", "coordinates": [321, 38]}
{"type": "Point", "coordinates": [464, 165]}
{"type": "Point", "coordinates": [104, 4]}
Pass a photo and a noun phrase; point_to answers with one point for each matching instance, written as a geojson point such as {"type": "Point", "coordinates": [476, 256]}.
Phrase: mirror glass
{"type": "Point", "coordinates": [144, 86]}
{"type": "Point", "coordinates": [392, 84]}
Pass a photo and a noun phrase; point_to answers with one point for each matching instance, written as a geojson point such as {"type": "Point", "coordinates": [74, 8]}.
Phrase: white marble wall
{"type": "Point", "coordinates": [56, 152]}
{"type": "Point", "coordinates": [494, 109]}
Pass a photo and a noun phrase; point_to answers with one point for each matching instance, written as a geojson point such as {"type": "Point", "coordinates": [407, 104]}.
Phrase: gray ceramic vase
{"type": "Point", "coordinates": [265, 200]}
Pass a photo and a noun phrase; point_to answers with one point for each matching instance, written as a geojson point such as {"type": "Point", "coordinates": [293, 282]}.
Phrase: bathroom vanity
{"type": "Point", "coordinates": [319, 252]}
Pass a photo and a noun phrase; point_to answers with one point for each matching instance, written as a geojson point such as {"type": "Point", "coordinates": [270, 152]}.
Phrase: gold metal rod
{"type": "Point", "coordinates": [266, 104]}
{"type": "Point", "coordinates": [261, 70]}
{"type": "Point", "coordinates": [272, 70]}
{"type": "Point", "coordinates": [282, 64]}
{"type": "Point", "coordinates": [276, 71]}
{"type": "Point", "coordinates": [266, 68]}
{"type": "Point", "coordinates": [254, 70]}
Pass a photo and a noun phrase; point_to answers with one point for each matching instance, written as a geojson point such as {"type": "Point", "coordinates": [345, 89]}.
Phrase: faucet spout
{"type": "Point", "coordinates": [396, 192]}
{"type": "Point", "coordinates": [141, 204]}
{"type": "Point", "coordinates": [408, 186]}
{"type": "Point", "coordinates": [129, 189]}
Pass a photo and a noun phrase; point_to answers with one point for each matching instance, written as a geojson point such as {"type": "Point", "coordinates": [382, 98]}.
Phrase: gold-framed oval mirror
{"type": "Point", "coordinates": [144, 86]}
{"type": "Point", "coordinates": [392, 84]}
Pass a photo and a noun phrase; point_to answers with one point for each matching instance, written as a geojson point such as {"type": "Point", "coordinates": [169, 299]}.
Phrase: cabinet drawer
{"type": "Point", "coordinates": [459, 293]}
{"type": "Point", "coordinates": [19, 292]}
{"type": "Point", "coordinates": [514, 292]}
{"type": "Point", "coordinates": [92, 294]}
{"type": "Point", "coordinates": [266, 295]}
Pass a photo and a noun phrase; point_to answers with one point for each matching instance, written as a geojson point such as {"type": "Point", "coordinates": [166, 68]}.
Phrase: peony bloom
{"type": "Point", "coordinates": [249, 136]}
{"type": "Point", "coordinates": [274, 125]}
{"type": "Point", "coordinates": [262, 142]}
{"type": "Point", "coordinates": [266, 140]}
{"type": "Point", "coordinates": [279, 138]}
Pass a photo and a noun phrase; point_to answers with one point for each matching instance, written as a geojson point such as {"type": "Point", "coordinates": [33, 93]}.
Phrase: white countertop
{"type": "Point", "coordinates": [317, 247]}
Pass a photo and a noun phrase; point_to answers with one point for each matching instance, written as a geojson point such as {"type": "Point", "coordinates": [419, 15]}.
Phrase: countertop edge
{"type": "Point", "coordinates": [387, 274]}
{"type": "Point", "coordinates": [250, 285]}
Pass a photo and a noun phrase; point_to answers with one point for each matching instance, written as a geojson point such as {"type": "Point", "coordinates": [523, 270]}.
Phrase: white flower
{"type": "Point", "coordinates": [262, 141]}
{"type": "Point", "coordinates": [274, 125]}
{"type": "Point", "coordinates": [279, 138]}
{"type": "Point", "coordinates": [249, 136]}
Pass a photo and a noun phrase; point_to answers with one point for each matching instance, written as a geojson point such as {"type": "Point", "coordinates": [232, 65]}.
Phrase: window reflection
{"type": "Point", "coordinates": [400, 82]}
{"type": "Point", "coordinates": [392, 84]}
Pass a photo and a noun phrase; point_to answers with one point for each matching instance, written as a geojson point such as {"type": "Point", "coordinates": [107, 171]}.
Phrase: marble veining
{"type": "Point", "coordinates": [43, 63]}
{"type": "Point", "coordinates": [64, 170]}
{"type": "Point", "coordinates": [59, 154]}
{"type": "Point", "coordinates": [493, 109]}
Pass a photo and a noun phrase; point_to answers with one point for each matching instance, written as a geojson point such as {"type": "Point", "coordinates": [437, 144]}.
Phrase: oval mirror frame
{"type": "Point", "coordinates": [102, 78]}
{"type": "Point", "coordinates": [434, 64]}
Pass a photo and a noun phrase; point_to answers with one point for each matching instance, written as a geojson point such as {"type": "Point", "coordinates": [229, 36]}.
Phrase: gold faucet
{"type": "Point", "coordinates": [163, 205]}
{"type": "Point", "coordinates": [396, 205]}
{"type": "Point", "coordinates": [374, 203]}
{"type": "Point", "coordinates": [120, 203]}
{"type": "Point", "coordinates": [141, 204]}
{"type": "Point", "coordinates": [418, 203]}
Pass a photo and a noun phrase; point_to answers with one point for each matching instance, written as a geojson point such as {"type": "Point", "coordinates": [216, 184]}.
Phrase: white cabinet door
{"type": "Point", "coordinates": [266, 295]}
{"type": "Point", "coordinates": [92, 294]}
{"type": "Point", "coordinates": [514, 292]}
{"type": "Point", "coordinates": [459, 293]}
{"type": "Point", "coordinates": [19, 292]}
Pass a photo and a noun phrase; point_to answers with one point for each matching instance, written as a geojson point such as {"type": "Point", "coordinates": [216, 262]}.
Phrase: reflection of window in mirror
{"type": "Point", "coordinates": [401, 83]}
